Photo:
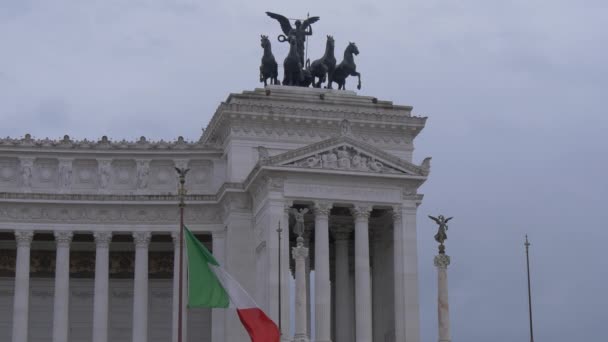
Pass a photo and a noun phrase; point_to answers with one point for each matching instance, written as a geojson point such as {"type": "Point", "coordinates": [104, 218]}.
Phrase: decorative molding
{"type": "Point", "coordinates": [108, 213]}
{"type": "Point", "coordinates": [103, 144]}
{"type": "Point", "coordinates": [65, 174]}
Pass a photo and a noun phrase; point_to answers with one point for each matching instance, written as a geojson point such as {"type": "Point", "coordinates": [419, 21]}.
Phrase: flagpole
{"type": "Point", "coordinates": [279, 230]}
{"type": "Point", "coordinates": [527, 244]}
{"type": "Point", "coordinates": [181, 192]}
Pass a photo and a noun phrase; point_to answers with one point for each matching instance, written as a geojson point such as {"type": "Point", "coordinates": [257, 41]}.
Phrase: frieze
{"type": "Point", "coordinates": [106, 213]}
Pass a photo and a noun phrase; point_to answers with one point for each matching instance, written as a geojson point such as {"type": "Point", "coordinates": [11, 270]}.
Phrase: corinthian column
{"type": "Point", "coordinates": [442, 261]}
{"type": "Point", "coordinates": [22, 286]}
{"type": "Point", "coordinates": [62, 286]}
{"type": "Point", "coordinates": [322, 282]}
{"type": "Point", "coordinates": [100, 301]}
{"type": "Point", "coordinates": [343, 317]}
{"type": "Point", "coordinates": [363, 299]}
{"type": "Point", "coordinates": [140, 287]}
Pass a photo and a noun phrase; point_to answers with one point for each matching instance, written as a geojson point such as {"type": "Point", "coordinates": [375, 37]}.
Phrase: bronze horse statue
{"type": "Point", "coordinates": [323, 68]}
{"type": "Point", "coordinates": [347, 67]}
{"type": "Point", "coordinates": [269, 67]}
{"type": "Point", "coordinates": [292, 67]}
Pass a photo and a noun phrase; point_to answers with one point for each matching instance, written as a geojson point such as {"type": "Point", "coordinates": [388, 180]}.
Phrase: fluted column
{"type": "Point", "coordinates": [343, 317]}
{"type": "Point", "coordinates": [22, 286]}
{"type": "Point", "coordinates": [322, 282]}
{"type": "Point", "coordinates": [140, 287]}
{"type": "Point", "coordinates": [100, 301]}
{"type": "Point", "coordinates": [62, 286]}
{"type": "Point", "coordinates": [176, 243]}
{"type": "Point", "coordinates": [218, 316]}
{"type": "Point", "coordinates": [363, 299]}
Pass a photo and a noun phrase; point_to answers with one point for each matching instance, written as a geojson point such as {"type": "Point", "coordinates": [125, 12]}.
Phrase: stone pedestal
{"type": "Point", "coordinates": [300, 254]}
{"type": "Point", "coordinates": [443, 309]}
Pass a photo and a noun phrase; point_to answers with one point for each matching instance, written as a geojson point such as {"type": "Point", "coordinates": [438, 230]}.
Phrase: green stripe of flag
{"type": "Point", "coordinates": [204, 289]}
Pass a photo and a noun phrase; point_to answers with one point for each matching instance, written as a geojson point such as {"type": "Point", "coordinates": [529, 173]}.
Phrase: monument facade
{"type": "Point", "coordinates": [87, 228]}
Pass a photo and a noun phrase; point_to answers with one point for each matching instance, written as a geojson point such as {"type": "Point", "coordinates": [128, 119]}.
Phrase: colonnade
{"type": "Point", "coordinates": [63, 239]}
{"type": "Point", "coordinates": [404, 287]}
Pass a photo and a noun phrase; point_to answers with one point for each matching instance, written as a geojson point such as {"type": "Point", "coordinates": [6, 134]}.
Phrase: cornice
{"type": "Point", "coordinates": [302, 107]}
{"type": "Point", "coordinates": [104, 145]}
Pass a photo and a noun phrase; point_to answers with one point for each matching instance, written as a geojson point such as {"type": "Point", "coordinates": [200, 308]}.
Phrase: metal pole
{"type": "Point", "coordinates": [181, 192]}
{"type": "Point", "coordinates": [279, 230]}
{"type": "Point", "coordinates": [527, 244]}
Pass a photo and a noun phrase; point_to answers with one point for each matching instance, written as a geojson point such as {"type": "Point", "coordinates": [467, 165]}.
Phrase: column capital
{"type": "Point", "coordinates": [142, 239]}
{"type": "Point", "coordinates": [24, 237]}
{"type": "Point", "coordinates": [102, 239]}
{"type": "Point", "coordinates": [63, 237]}
{"type": "Point", "coordinates": [396, 213]}
{"type": "Point", "coordinates": [218, 234]}
{"type": "Point", "coordinates": [322, 208]}
{"type": "Point", "coordinates": [442, 261]}
{"type": "Point", "coordinates": [287, 206]}
{"type": "Point", "coordinates": [361, 211]}
{"type": "Point", "coordinates": [175, 237]}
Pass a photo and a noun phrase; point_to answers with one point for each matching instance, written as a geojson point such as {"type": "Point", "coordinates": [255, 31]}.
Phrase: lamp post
{"type": "Point", "coordinates": [181, 193]}
{"type": "Point", "coordinates": [527, 244]}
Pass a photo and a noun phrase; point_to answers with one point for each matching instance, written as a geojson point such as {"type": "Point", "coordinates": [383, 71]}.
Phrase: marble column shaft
{"type": "Point", "coordinates": [300, 254]}
{"type": "Point", "coordinates": [343, 316]}
{"type": "Point", "coordinates": [62, 286]}
{"type": "Point", "coordinates": [363, 299]}
{"type": "Point", "coordinates": [322, 282]}
{"type": "Point", "coordinates": [140, 287]}
{"type": "Point", "coordinates": [102, 273]}
{"type": "Point", "coordinates": [22, 286]}
{"type": "Point", "coordinates": [407, 319]}
{"type": "Point", "coordinates": [442, 262]}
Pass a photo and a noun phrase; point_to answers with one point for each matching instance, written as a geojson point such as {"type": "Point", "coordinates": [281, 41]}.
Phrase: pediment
{"type": "Point", "coordinates": [347, 154]}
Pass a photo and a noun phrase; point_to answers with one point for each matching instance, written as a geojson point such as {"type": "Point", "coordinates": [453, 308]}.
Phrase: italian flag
{"type": "Point", "coordinates": [210, 286]}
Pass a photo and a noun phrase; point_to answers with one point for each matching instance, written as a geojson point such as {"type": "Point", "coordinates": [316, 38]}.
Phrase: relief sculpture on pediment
{"type": "Point", "coordinates": [344, 158]}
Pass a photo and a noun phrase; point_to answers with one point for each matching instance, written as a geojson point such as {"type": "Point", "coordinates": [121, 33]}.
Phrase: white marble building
{"type": "Point", "coordinates": [86, 227]}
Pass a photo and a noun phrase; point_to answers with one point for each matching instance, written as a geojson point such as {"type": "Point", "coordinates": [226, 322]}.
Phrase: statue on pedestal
{"type": "Point", "coordinates": [441, 235]}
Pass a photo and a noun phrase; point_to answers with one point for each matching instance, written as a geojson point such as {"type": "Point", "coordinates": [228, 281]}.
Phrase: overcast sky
{"type": "Point", "coordinates": [514, 90]}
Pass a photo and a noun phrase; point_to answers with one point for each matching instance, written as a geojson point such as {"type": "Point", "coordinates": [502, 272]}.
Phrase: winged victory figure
{"type": "Point", "coordinates": [441, 235]}
{"type": "Point", "coordinates": [302, 29]}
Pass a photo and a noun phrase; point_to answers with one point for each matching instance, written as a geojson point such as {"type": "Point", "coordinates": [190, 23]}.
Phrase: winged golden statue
{"type": "Point", "coordinates": [299, 32]}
